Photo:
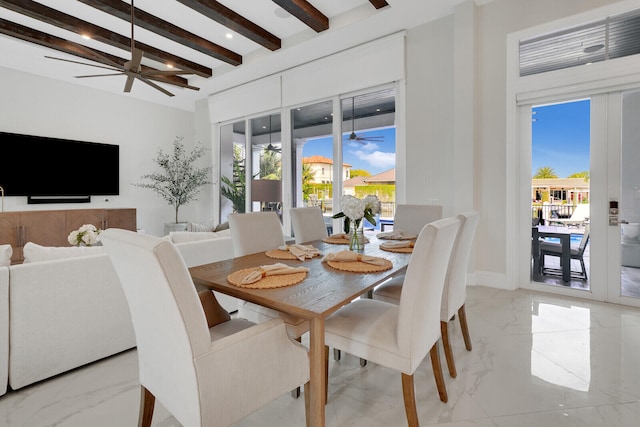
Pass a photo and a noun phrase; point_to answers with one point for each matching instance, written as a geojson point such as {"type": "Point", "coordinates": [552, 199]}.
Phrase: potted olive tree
{"type": "Point", "coordinates": [180, 180]}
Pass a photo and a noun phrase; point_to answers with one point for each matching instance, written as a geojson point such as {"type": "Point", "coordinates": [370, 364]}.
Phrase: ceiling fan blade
{"type": "Point", "coordinates": [98, 75]}
{"type": "Point", "coordinates": [153, 85]}
{"type": "Point", "coordinates": [164, 73]}
{"type": "Point", "coordinates": [83, 63]}
{"type": "Point", "coordinates": [129, 83]}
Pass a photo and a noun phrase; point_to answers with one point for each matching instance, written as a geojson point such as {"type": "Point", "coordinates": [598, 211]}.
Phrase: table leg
{"type": "Point", "coordinates": [317, 384]}
{"type": "Point", "coordinates": [565, 242]}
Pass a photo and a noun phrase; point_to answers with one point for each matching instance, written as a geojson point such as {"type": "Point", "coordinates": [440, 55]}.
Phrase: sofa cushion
{"type": "Point", "coordinates": [34, 252]}
{"type": "Point", "coordinates": [191, 236]}
{"type": "Point", "coordinates": [5, 255]}
{"type": "Point", "coordinates": [223, 226]}
{"type": "Point", "coordinates": [194, 226]}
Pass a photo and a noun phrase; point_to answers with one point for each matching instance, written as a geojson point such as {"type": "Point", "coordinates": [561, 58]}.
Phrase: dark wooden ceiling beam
{"type": "Point", "coordinates": [166, 29]}
{"type": "Point", "coordinates": [379, 4]}
{"type": "Point", "coordinates": [234, 21]}
{"type": "Point", "coordinates": [52, 42]}
{"type": "Point", "coordinates": [304, 11]}
{"type": "Point", "coordinates": [54, 17]}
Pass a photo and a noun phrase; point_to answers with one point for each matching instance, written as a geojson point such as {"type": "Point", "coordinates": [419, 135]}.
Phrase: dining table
{"type": "Point", "coordinates": [322, 292]}
{"type": "Point", "coordinates": [562, 233]}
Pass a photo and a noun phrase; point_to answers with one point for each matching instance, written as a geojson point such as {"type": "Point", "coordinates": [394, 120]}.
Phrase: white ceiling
{"type": "Point", "coordinates": [351, 22]}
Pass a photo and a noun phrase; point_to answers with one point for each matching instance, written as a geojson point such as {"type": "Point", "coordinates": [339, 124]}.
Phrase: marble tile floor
{"type": "Point", "coordinates": [538, 360]}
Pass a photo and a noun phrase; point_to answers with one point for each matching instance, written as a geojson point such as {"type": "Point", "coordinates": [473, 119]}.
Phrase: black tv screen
{"type": "Point", "coordinates": [41, 166]}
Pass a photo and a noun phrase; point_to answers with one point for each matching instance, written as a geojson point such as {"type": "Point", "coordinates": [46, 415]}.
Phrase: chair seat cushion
{"type": "Point", "coordinates": [367, 329]}
{"type": "Point", "coordinates": [229, 327]}
{"type": "Point", "coordinates": [556, 248]}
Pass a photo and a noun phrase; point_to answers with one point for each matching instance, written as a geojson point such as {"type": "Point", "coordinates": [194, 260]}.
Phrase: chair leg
{"type": "Point", "coordinates": [462, 314]}
{"type": "Point", "coordinates": [584, 269]}
{"type": "Point", "coordinates": [326, 374]}
{"type": "Point", "coordinates": [408, 393]}
{"type": "Point", "coordinates": [307, 404]}
{"type": "Point", "coordinates": [437, 373]}
{"type": "Point", "coordinates": [448, 351]}
{"type": "Point", "coordinates": [295, 393]}
{"type": "Point", "coordinates": [336, 354]}
{"type": "Point", "coordinates": [147, 402]}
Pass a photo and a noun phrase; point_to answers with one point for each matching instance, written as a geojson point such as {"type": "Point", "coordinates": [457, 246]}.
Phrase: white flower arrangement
{"type": "Point", "coordinates": [86, 235]}
{"type": "Point", "coordinates": [354, 209]}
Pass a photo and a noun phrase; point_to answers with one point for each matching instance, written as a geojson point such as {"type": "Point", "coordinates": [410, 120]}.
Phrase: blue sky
{"type": "Point", "coordinates": [560, 137]}
{"type": "Point", "coordinates": [372, 156]}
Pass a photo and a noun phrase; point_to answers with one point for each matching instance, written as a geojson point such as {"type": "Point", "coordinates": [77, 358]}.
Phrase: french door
{"type": "Point", "coordinates": [614, 257]}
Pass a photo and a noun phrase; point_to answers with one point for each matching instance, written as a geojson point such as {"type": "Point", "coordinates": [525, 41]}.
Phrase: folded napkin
{"type": "Point", "coordinates": [301, 252]}
{"type": "Point", "coordinates": [398, 244]}
{"type": "Point", "coordinates": [271, 270]}
{"type": "Point", "coordinates": [396, 234]}
{"type": "Point", "coordinates": [339, 236]}
{"type": "Point", "coordinates": [350, 256]}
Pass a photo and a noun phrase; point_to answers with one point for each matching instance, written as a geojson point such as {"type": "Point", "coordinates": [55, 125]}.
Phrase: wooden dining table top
{"type": "Point", "coordinates": [323, 291]}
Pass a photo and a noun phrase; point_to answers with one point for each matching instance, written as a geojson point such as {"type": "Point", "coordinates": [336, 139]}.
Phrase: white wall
{"type": "Point", "coordinates": [38, 106]}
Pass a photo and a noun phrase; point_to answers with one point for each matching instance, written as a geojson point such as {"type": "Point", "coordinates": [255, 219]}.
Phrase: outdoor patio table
{"type": "Point", "coordinates": [564, 234]}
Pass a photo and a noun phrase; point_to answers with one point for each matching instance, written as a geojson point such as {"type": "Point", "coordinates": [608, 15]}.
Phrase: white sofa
{"type": "Point", "coordinates": [204, 247]}
{"type": "Point", "coordinates": [66, 309]}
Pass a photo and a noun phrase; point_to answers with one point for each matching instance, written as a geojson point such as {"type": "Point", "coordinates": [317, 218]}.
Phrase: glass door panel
{"type": "Point", "coordinates": [369, 150]}
{"type": "Point", "coordinates": [232, 169]}
{"type": "Point", "coordinates": [629, 203]}
{"type": "Point", "coordinates": [266, 164]}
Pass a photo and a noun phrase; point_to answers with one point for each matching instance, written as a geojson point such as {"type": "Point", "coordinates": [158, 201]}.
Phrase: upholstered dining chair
{"type": "Point", "coordinates": [308, 224]}
{"type": "Point", "coordinates": [410, 218]}
{"type": "Point", "coordinates": [254, 232]}
{"type": "Point", "coordinates": [400, 336]}
{"type": "Point", "coordinates": [455, 289]}
{"type": "Point", "coordinates": [190, 368]}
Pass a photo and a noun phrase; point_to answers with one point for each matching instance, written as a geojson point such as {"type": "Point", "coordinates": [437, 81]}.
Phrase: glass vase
{"type": "Point", "coordinates": [356, 238]}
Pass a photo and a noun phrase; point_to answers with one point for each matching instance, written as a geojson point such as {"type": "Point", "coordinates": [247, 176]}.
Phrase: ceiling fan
{"type": "Point", "coordinates": [361, 139]}
{"type": "Point", "coordinates": [132, 68]}
{"type": "Point", "coordinates": [272, 147]}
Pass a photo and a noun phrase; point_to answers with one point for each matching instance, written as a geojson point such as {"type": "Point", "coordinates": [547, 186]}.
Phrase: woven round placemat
{"type": "Point", "coordinates": [279, 254]}
{"type": "Point", "coordinates": [268, 282]}
{"type": "Point", "coordinates": [336, 240]}
{"type": "Point", "coordinates": [397, 250]}
{"type": "Point", "coordinates": [396, 238]}
{"type": "Point", "coordinates": [360, 267]}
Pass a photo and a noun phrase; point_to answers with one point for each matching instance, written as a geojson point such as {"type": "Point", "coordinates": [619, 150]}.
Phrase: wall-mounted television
{"type": "Point", "coordinates": [41, 166]}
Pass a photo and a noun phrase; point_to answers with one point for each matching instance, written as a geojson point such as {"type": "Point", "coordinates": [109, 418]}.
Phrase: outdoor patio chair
{"type": "Point", "coordinates": [578, 217]}
{"type": "Point", "coordinates": [577, 252]}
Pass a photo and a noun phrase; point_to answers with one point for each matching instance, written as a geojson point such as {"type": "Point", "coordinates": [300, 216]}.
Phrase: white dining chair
{"type": "Point", "coordinates": [308, 224]}
{"type": "Point", "coordinates": [410, 218]}
{"type": "Point", "coordinates": [400, 336]}
{"type": "Point", "coordinates": [455, 291]}
{"type": "Point", "coordinates": [255, 232]}
{"type": "Point", "coordinates": [188, 367]}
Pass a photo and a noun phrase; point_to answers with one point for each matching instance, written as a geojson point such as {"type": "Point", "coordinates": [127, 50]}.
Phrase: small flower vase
{"type": "Point", "coordinates": [356, 238]}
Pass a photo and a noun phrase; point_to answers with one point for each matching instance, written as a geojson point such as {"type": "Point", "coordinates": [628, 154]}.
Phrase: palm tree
{"type": "Point", "coordinates": [583, 174]}
{"type": "Point", "coordinates": [545, 172]}
{"type": "Point", "coordinates": [307, 179]}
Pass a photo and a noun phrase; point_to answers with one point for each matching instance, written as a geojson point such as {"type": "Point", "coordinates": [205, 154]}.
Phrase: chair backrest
{"type": "Point", "coordinates": [581, 212]}
{"type": "Point", "coordinates": [308, 224]}
{"type": "Point", "coordinates": [411, 218]}
{"type": "Point", "coordinates": [169, 323]}
{"type": "Point", "coordinates": [455, 287]}
{"type": "Point", "coordinates": [585, 239]}
{"type": "Point", "coordinates": [419, 309]}
{"type": "Point", "coordinates": [255, 232]}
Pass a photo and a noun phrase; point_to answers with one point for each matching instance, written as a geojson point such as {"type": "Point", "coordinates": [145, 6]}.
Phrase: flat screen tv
{"type": "Point", "coordinates": [41, 166]}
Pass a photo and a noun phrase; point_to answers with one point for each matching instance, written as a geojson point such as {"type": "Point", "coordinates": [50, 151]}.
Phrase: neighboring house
{"type": "Point", "coordinates": [568, 190]}
{"type": "Point", "coordinates": [322, 168]}
{"type": "Point", "coordinates": [386, 177]}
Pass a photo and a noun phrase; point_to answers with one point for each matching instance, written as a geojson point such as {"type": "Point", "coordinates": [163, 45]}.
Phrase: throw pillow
{"type": "Point", "coordinates": [5, 255]}
{"type": "Point", "coordinates": [194, 226]}
{"type": "Point", "coordinates": [223, 226]}
{"type": "Point", "coordinates": [34, 252]}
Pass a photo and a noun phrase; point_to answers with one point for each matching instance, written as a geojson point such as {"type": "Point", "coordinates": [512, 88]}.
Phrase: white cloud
{"type": "Point", "coordinates": [377, 159]}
